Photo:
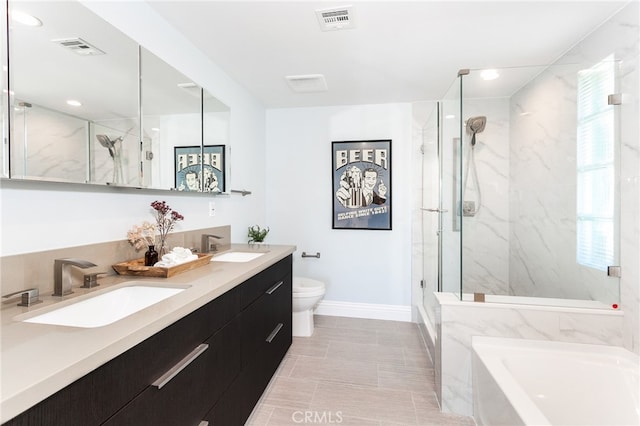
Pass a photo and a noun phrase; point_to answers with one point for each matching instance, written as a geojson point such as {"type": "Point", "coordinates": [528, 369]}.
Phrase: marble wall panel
{"type": "Point", "coordinates": [459, 321]}
{"type": "Point", "coordinates": [485, 266]}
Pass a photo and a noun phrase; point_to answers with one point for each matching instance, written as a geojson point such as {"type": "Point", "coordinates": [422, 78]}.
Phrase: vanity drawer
{"type": "Point", "coordinates": [266, 337]}
{"type": "Point", "coordinates": [184, 396]}
{"type": "Point", "coordinates": [268, 318]}
{"type": "Point", "coordinates": [256, 286]}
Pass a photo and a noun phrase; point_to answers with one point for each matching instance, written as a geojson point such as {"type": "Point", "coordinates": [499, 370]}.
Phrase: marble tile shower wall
{"type": "Point", "coordinates": [55, 148]}
{"type": "Point", "coordinates": [548, 98]}
{"type": "Point", "coordinates": [35, 155]}
{"type": "Point", "coordinates": [543, 193]}
{"type": "Point", "coordinates": [35, 270]}
{"type": "Point", "coordinates": [485, 236]}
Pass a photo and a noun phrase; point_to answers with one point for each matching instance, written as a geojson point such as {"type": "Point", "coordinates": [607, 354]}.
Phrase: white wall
{"type": "Point", "coordinates": [359, 266]}
{"type": "Point", "coordinates": [42, 219]}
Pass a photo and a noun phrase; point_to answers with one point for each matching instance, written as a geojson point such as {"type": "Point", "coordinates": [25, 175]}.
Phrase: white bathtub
{"type": "Point", "coordinates": [534, 382]}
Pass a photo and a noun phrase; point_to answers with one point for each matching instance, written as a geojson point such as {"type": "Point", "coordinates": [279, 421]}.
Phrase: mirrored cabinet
{"type": "Point", "coordinates": [84, 103]}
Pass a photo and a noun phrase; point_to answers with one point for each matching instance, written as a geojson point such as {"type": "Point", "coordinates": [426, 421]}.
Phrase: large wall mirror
{"type": "Point", "coordinates": [87, 104]}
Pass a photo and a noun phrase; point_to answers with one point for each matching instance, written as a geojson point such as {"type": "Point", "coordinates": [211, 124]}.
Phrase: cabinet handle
{"type": "Point", "coordinates": [274, 332]}
{"type": "Point", "coordinates": [173, 372]}
{"type": "Point", "coordinates": [275, 287]}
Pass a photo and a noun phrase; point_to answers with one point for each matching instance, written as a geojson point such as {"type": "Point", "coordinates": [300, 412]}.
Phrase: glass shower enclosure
{"type": "Point", "coordinates": [527, 205]}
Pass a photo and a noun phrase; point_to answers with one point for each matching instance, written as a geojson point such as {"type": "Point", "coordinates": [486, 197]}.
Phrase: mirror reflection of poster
{"type": "Point", "coordinates": [200, 171]}
{"type": "Point", "coordinates": [361, 184]}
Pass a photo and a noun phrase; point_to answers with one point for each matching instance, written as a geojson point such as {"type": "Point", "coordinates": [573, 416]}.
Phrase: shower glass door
{"type": "Point", "coordinates": [450, 167]}
{"type": "Point", "coordinates": [545, 191]}
{"type": "Point", "coordinates": [429, 125]}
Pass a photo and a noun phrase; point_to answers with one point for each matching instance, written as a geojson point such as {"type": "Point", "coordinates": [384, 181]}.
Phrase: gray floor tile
{"type": "Point", "coordinates": [355, 372]}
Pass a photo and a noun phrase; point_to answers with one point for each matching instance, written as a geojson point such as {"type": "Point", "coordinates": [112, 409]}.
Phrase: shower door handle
{"type": "Point", "coordinates": [435, 210]}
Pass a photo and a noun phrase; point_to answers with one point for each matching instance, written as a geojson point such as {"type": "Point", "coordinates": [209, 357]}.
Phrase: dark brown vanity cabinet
{"type": "Point", "coordinates": [266, 337]}
{"type": "Point", "coordinates": [211, 365]}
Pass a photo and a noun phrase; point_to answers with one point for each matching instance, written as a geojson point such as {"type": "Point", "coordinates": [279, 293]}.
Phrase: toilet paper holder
{"type": "Point", "coordinates": [317, 255]}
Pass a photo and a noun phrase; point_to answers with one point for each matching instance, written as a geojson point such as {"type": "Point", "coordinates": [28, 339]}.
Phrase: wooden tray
{"type": "Point", "coordinates": [136, 267]}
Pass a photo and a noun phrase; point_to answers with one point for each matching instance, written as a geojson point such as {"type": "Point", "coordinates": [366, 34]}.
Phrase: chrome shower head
{"type": "Point", "coordinates": [104, 141]}
{"type": "Point", "coordinates": [108, 143]}
{"type": "Point", "coordinates": [476, 124]}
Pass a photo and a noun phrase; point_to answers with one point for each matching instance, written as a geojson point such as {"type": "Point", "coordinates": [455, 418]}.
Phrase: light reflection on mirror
{"type": "Point", "coordinates": [171, 104]}
{"type": "Point", "coordinates": [75, 55]}
{"type": "Point", "coordinates": [134, 108]}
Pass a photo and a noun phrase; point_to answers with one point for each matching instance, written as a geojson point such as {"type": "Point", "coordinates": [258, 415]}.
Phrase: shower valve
{"type": "Point", "coordinates": [469, 208]}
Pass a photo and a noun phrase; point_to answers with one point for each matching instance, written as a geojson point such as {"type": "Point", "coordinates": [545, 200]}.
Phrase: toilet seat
{"type": "Point", "coordinates": [305, 287]}
{"type": "Point", "coordinates": [306, 284]}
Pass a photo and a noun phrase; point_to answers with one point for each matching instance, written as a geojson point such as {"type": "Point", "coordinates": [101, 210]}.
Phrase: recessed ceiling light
{"type": "Point", "coordinates": [489, 74]}
{"type": "Point", "coordinates": [74, 103]}
{"type": "Point", "coordinates": [25, 19]}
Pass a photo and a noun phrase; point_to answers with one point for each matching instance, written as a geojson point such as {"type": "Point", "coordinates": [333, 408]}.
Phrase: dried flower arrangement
{"type": "Point", "coordinates": [142, 236]}
{"type": "Point", "coordinates": [165, 221]}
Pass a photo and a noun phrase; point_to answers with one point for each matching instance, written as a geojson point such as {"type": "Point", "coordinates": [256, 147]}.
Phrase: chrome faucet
{"type": "Point", "coordinates": [61, 276]}
{"type": "Point", "coordinates": [27, 297]}
{"type": "Point", "coordinates": [205, 243]}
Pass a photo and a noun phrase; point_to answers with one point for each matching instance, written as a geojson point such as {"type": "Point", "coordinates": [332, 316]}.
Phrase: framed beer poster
{"type": "Point", "coordinates": [199, 169]}
{"type": "Point", "coordinates": [361, 184]}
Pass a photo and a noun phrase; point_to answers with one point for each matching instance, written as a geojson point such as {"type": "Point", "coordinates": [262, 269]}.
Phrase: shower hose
{"type": "Point", "coordinates": [471, 165]}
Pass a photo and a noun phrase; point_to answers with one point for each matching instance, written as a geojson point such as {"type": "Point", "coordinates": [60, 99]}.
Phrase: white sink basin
{"type": "Point", "coordinates": [237, 256]}
{"type": "Point", "coordinates": [106, 308]}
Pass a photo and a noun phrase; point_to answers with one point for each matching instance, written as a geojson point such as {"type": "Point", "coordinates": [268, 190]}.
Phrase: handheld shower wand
{"type": "Point", "coordinates": [114, 152]}
{"type": "Point", "coordinates": [474, 125]}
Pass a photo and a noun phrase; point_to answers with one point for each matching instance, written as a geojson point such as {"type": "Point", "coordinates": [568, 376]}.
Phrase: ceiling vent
{"type": "Point", "coordinates": [79, 46]}
{"type": "Point", "coordinates": [307, 83]}
{"type": "Point", "coordinates": [335, 18]}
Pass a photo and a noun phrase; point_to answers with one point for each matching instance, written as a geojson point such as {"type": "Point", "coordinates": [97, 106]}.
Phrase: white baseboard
{"type": "Point", "coordinates": [424, 319]}
{"type": "Point", "coordinates": [364, 310]}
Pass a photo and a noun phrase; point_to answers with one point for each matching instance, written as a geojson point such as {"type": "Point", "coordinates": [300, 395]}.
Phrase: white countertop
{"type": "Point", "coordinates": [38, 360]}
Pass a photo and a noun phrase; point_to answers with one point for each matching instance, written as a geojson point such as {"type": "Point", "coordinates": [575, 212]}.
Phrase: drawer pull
{"type": "Point", "coordinates": [275, 287]}
{"type": "Point", "coordinates": [274, 332]}
{"type": "Point", "coordinates": [173, 372]}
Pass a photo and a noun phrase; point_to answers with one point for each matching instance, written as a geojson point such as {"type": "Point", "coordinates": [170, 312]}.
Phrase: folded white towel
{"type": "Point", "coordinates": [181, 252]}
{"type": "Point", "coordinates": [169, 258]}
{"type": "Point", "coordinates": [176, 256]}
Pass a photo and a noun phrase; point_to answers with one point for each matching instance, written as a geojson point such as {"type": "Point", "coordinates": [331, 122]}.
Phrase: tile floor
{"type": "Point", "coordinates": [354, 372]}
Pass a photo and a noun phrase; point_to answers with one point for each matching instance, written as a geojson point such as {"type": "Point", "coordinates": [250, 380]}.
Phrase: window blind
{"type": "Point", "coordinates": [595, 166]}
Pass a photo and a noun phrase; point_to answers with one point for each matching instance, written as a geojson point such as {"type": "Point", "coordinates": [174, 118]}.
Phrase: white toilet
{"type": "Point", "coordinates": [306, 295]}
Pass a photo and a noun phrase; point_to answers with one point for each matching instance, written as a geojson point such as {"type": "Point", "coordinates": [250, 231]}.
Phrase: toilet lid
{"type": "Point", "coordinates": [304, 285]}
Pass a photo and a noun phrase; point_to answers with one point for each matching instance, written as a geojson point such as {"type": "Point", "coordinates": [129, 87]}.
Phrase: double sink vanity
{"type": "Point", "coordinates": [197, 348]}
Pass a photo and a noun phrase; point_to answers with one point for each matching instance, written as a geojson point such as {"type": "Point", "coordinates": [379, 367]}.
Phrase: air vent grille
{"type": "Point", "coordinates": [335, 18]}
{"type": "Point", "coordinates": [307, 83]}
{"type": "Point", "coordinates": [79, 46]}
